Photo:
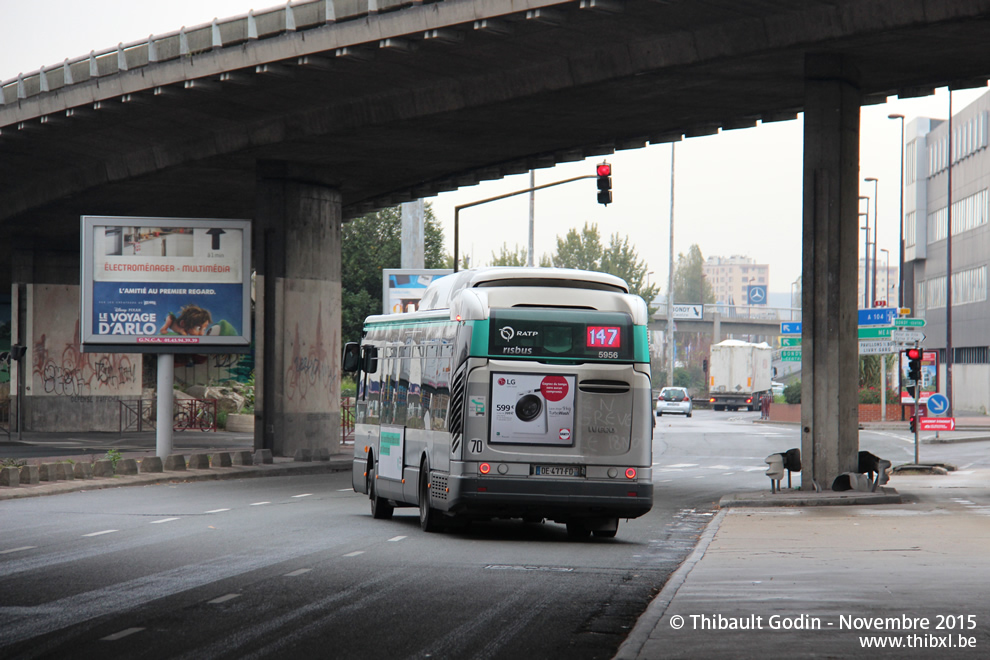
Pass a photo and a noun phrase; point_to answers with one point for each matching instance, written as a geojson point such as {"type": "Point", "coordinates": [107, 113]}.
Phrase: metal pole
{"type": "Point", "coordinates": [900, 222]}
{"type": "Point", "coordinates": [866, 257]}
{"type": "Point", "coordinates": [876, 204]}
{"type": "Point", "coordinates": [532, 217]}
{"type": "Point", "coordinates": [457, 209]}
{"type": "Point", "coordinates": [670, 279]}
{"type": "Point", "coordinates": [163, 432]}
{"type": "Point", "coordinates": [917, 420]}
{"type": "Point", "coordinates": [948, 273]}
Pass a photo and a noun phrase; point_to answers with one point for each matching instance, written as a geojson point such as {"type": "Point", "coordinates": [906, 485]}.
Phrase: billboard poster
{"type": "Point", "coordinates": [532, 409]}
{"type": "Point", "coordinates": [166, 284]}
{"type": "Point", "coordinates": [391, 449]}
{"type": "Point", "coordinates": [929, 377]}
{"type": "Point", "coordinates": [403, 288]}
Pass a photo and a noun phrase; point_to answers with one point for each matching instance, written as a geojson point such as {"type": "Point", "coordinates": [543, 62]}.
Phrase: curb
{"type": "Point", "coordinates": [883, 495]}
{"type": "Point", "coordinates": [335, 464]}
{"type": "Point", "coordinates": [648, 621]}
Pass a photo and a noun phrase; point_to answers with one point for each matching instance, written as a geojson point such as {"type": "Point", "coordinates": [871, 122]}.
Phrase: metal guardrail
{"type": "Point", "coordinates": [194, 414]}
{"type": "Point", "coordinates": [347, 421]}
{"type": "Point", "coordinates": [187, 42]}
{"type": "Point", "coordinates": [136, 415]}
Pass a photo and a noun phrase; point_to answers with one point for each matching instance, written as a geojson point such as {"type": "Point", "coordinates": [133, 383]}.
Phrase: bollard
{"type": "Point", "coordinates": [263, 456]}
{"type": "Point", "coordinates": [242, 458]}
{"type": "Point", "coordinates": [48, 472]}
{"type": "Point", "coordinates": [151, 464]}
{"type": "Point", "coordinates": [175, 463]}
{"type": "Point", "coordinates": [82, 470]}
{"type": "Point", "coordinates": [103, 469]}
{"type": "Point", "coordinates": [199, 462]}
{"type": "Point", "coordinates": [29, 474]}
{"type": "Point", "coordinates": [222, 459]}
{"type": "Point", "coordinates": [127, 466]}
{"type": "Point", "coordinates": [10, 476]}
{"type": "Point", "coordinates": [303, 456]}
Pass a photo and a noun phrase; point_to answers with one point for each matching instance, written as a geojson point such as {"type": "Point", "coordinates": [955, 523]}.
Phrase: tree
{"type": "Point", "coordinates": [369, 244]}
{"type": "Point", "coordinates": [506, 257]}
{"type": "Point", "coordinates": [690, 283]}
{"type": "Point", "coordinates": [584, 250]}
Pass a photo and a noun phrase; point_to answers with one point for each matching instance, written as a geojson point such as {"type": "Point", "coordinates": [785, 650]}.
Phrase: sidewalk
{"type": "Point", "coordinates": [828, 581]}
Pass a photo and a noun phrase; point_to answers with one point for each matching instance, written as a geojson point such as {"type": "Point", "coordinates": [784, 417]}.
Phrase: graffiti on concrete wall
{"type": "Point", "coordinates": [59, 367]}
{"type": "Point", "coordinates": [312, 376]}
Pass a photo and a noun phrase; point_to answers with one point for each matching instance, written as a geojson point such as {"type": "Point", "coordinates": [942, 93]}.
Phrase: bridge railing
{"type": "Point", "coordinates": [746, 312]}
{"type": "Point", "coordinates": [186, 42]}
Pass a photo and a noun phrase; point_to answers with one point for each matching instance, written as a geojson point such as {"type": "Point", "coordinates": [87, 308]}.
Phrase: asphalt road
{"type": "Point", "coordinates": [296, 566]}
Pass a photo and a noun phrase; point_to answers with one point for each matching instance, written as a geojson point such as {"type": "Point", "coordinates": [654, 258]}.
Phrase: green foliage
{"type": "Point", "coordinates": [12, 462]}
{"type": "Point", "coordinates": [348, 387]}
{"type": "Point", "coordinates": [507, 257]}
{"type": "Point", "coordinates": [792, 393]}
{"type": "Point", "coordinates": [690, 283]}
{"type": "Point", "coordinates": [584, 250]}
{"type": "Point", "coordinates": [872, 395]}
{"type": "Point", "coordinates": [369, 244]}
{"type": "Point", "coordinates": [113, 455]}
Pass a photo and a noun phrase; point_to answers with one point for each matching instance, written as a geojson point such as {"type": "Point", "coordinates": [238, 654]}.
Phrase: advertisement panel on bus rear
{"type": "Point", "coordinates": [532, 409]}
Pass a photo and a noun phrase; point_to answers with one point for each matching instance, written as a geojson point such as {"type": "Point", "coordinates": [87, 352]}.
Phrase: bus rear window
{"type": "Point", "coordinates": [557, 333]}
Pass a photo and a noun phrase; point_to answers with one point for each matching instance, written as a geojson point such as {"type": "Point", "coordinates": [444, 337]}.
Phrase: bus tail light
{"type": "Point", "coordinates": [484, 468]}
{"type": "Point", "coordinates": [711, 400]}
{"type": "Point", "coordinates": [630, 473]}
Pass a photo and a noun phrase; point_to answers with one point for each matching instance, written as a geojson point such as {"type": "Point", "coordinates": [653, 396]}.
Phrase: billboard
{"type": "Point", "coordinates": [402, 288]}
{"type": "Point", "coordinates": [165, 285]}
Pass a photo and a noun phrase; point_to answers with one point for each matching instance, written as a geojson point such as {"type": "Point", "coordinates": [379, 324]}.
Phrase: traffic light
{"type": "Point", "coordinates": [604, 172]}
{"type": "Point", "coordinates": [913, 423]}
{"type": "Point", "coordinates": [914, 370]}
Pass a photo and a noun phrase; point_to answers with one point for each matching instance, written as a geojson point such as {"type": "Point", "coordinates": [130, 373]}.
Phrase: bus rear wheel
{"type": "Point", "coordinates": [429, 518]}
{"type": "Point", "coordinates": [380, 508]}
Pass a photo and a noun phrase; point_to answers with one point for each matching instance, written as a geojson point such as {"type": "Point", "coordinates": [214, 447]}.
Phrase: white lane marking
{"type": "Point", "coordinates": [122, 634]}
{"type": "Point", "coordinates": [396, 538]}
{"type": "Point", "coordinates": [344, 490]}
{"type": "Point", "coordinates": [299, 572]}
{"type": "Point", "coordinates": [163, 520]}
{"type": "Point", "coordinates": [680, 465]}
{"type": "Point", "coordinates": [20, 549]}
{"type": "Point", "coordinates": [259, 503]}
{"type": "Point", "coordinates": [217, 511]}
{"type": "Point", "coordinates": [223, 599]}
{"type": "Point", "coordinates": [355, 553]}
{"type": "Point", "coordinates": [106, 531]}
{"type": "Point", "coordinates": [303, 495]}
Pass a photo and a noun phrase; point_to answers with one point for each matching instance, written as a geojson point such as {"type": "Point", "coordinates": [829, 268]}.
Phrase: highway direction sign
{"type": "Point", "coordinates": [938, 404]}
{"type": "Point", "coordinates": [909, 323]}
{"type": "Point", "coordinates": [877, 316]}
{"type": "Point", "coordinates": [907, 336]}
{"type": "Point", "coordinates": [875, 332]}
{"type": "Point", "coordinates": [792, 355]}
{"type": "Point", "coordinates": [790, 341]}
{"type": "Point", "coordinates": [871, 347]}
{"type": "Point", "coordinates": [790, 328]}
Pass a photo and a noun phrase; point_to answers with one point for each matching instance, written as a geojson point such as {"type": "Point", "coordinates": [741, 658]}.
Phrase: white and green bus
{"type": "Point", "coordinates": [511, 393]}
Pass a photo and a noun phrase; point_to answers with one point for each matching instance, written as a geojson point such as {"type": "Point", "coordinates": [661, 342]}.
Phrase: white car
{"type": "Point", "coordinates": [674, 400]}
{"type": "Point", "coordinates": [777, 388]}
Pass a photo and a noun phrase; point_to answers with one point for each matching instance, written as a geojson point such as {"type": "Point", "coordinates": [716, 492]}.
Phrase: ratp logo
{"type": "Point", "coordinates": [507, 333]}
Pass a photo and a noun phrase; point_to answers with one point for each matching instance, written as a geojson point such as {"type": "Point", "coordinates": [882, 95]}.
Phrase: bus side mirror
{"type": "Point", "coordinates": [351, 360]}
{"type": "Point", "coordinates": [370, 359]}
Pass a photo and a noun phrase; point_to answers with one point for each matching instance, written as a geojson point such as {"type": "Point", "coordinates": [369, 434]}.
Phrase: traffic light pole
{"type": "Point", "coordinates": [917, 420]}
{"type": "Point", "coordinates": [457, 209]}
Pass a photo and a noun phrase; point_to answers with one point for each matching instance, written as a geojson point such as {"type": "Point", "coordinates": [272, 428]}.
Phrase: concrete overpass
{"type": "Point", "coordinates": [314, 113]}
{"type": "Point", "coordinates": [722, 320]}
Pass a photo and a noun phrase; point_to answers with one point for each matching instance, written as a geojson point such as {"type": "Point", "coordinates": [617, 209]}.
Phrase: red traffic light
{"type": "Point", "coordinates": [604, 169]}
{"type": "Point", "coordinates": [913, 353]}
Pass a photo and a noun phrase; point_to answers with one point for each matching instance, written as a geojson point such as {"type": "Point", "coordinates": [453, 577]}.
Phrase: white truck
{"type": "Point", "coordinates": [739, 373]}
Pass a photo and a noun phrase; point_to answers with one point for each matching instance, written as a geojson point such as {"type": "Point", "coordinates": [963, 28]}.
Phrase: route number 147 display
{"type": "Point", "coordinates": [600, 336]}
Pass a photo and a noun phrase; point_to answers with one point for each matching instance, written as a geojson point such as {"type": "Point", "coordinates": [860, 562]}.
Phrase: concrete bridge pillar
{"type": "Point", "coordinates": [829, 359]}
{"type": "Point", "coordinates": [297, 233]}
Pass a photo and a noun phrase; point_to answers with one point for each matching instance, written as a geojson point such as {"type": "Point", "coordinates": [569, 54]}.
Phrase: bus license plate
{"type": "Point", "coordinates": [559, 470]}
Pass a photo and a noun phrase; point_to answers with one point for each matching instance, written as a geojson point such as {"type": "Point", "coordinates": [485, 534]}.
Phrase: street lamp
{"type": "Point", "coordinates": [900, 222]}
{"type": "Point", "coordinates": [886, 277]}
{"type": "Point", "coordinates": [866, 259]}
{"type": "Point", "coordinates": [876, 186]}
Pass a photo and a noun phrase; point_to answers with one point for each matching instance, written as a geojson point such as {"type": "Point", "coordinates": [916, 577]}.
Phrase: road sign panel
{"type": "Point", "coordinates": [792, 355]}
{"type": "Point", "coordinates": [877, 316]}
{"type": "Point", "coordinates": [790, 341]}
{"type": "Point", "coordinates": [790, 328]}
{"type": "Point", "coordinates": [937, 423]}
{"type": "Point", "coordinates": [938, 404]}
{"type": "Point", "coordinates": [875, 332]}
{"type": "Point", "coordinates": [907, 336]}
{"type": "Point", "coordinates": [909, 323]}
{"type": "Point", "coordinates": [875, 347]}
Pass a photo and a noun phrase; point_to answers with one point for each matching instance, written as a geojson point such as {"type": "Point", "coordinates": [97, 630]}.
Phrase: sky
{"type": "Point", "coordinates": [735, 193]}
